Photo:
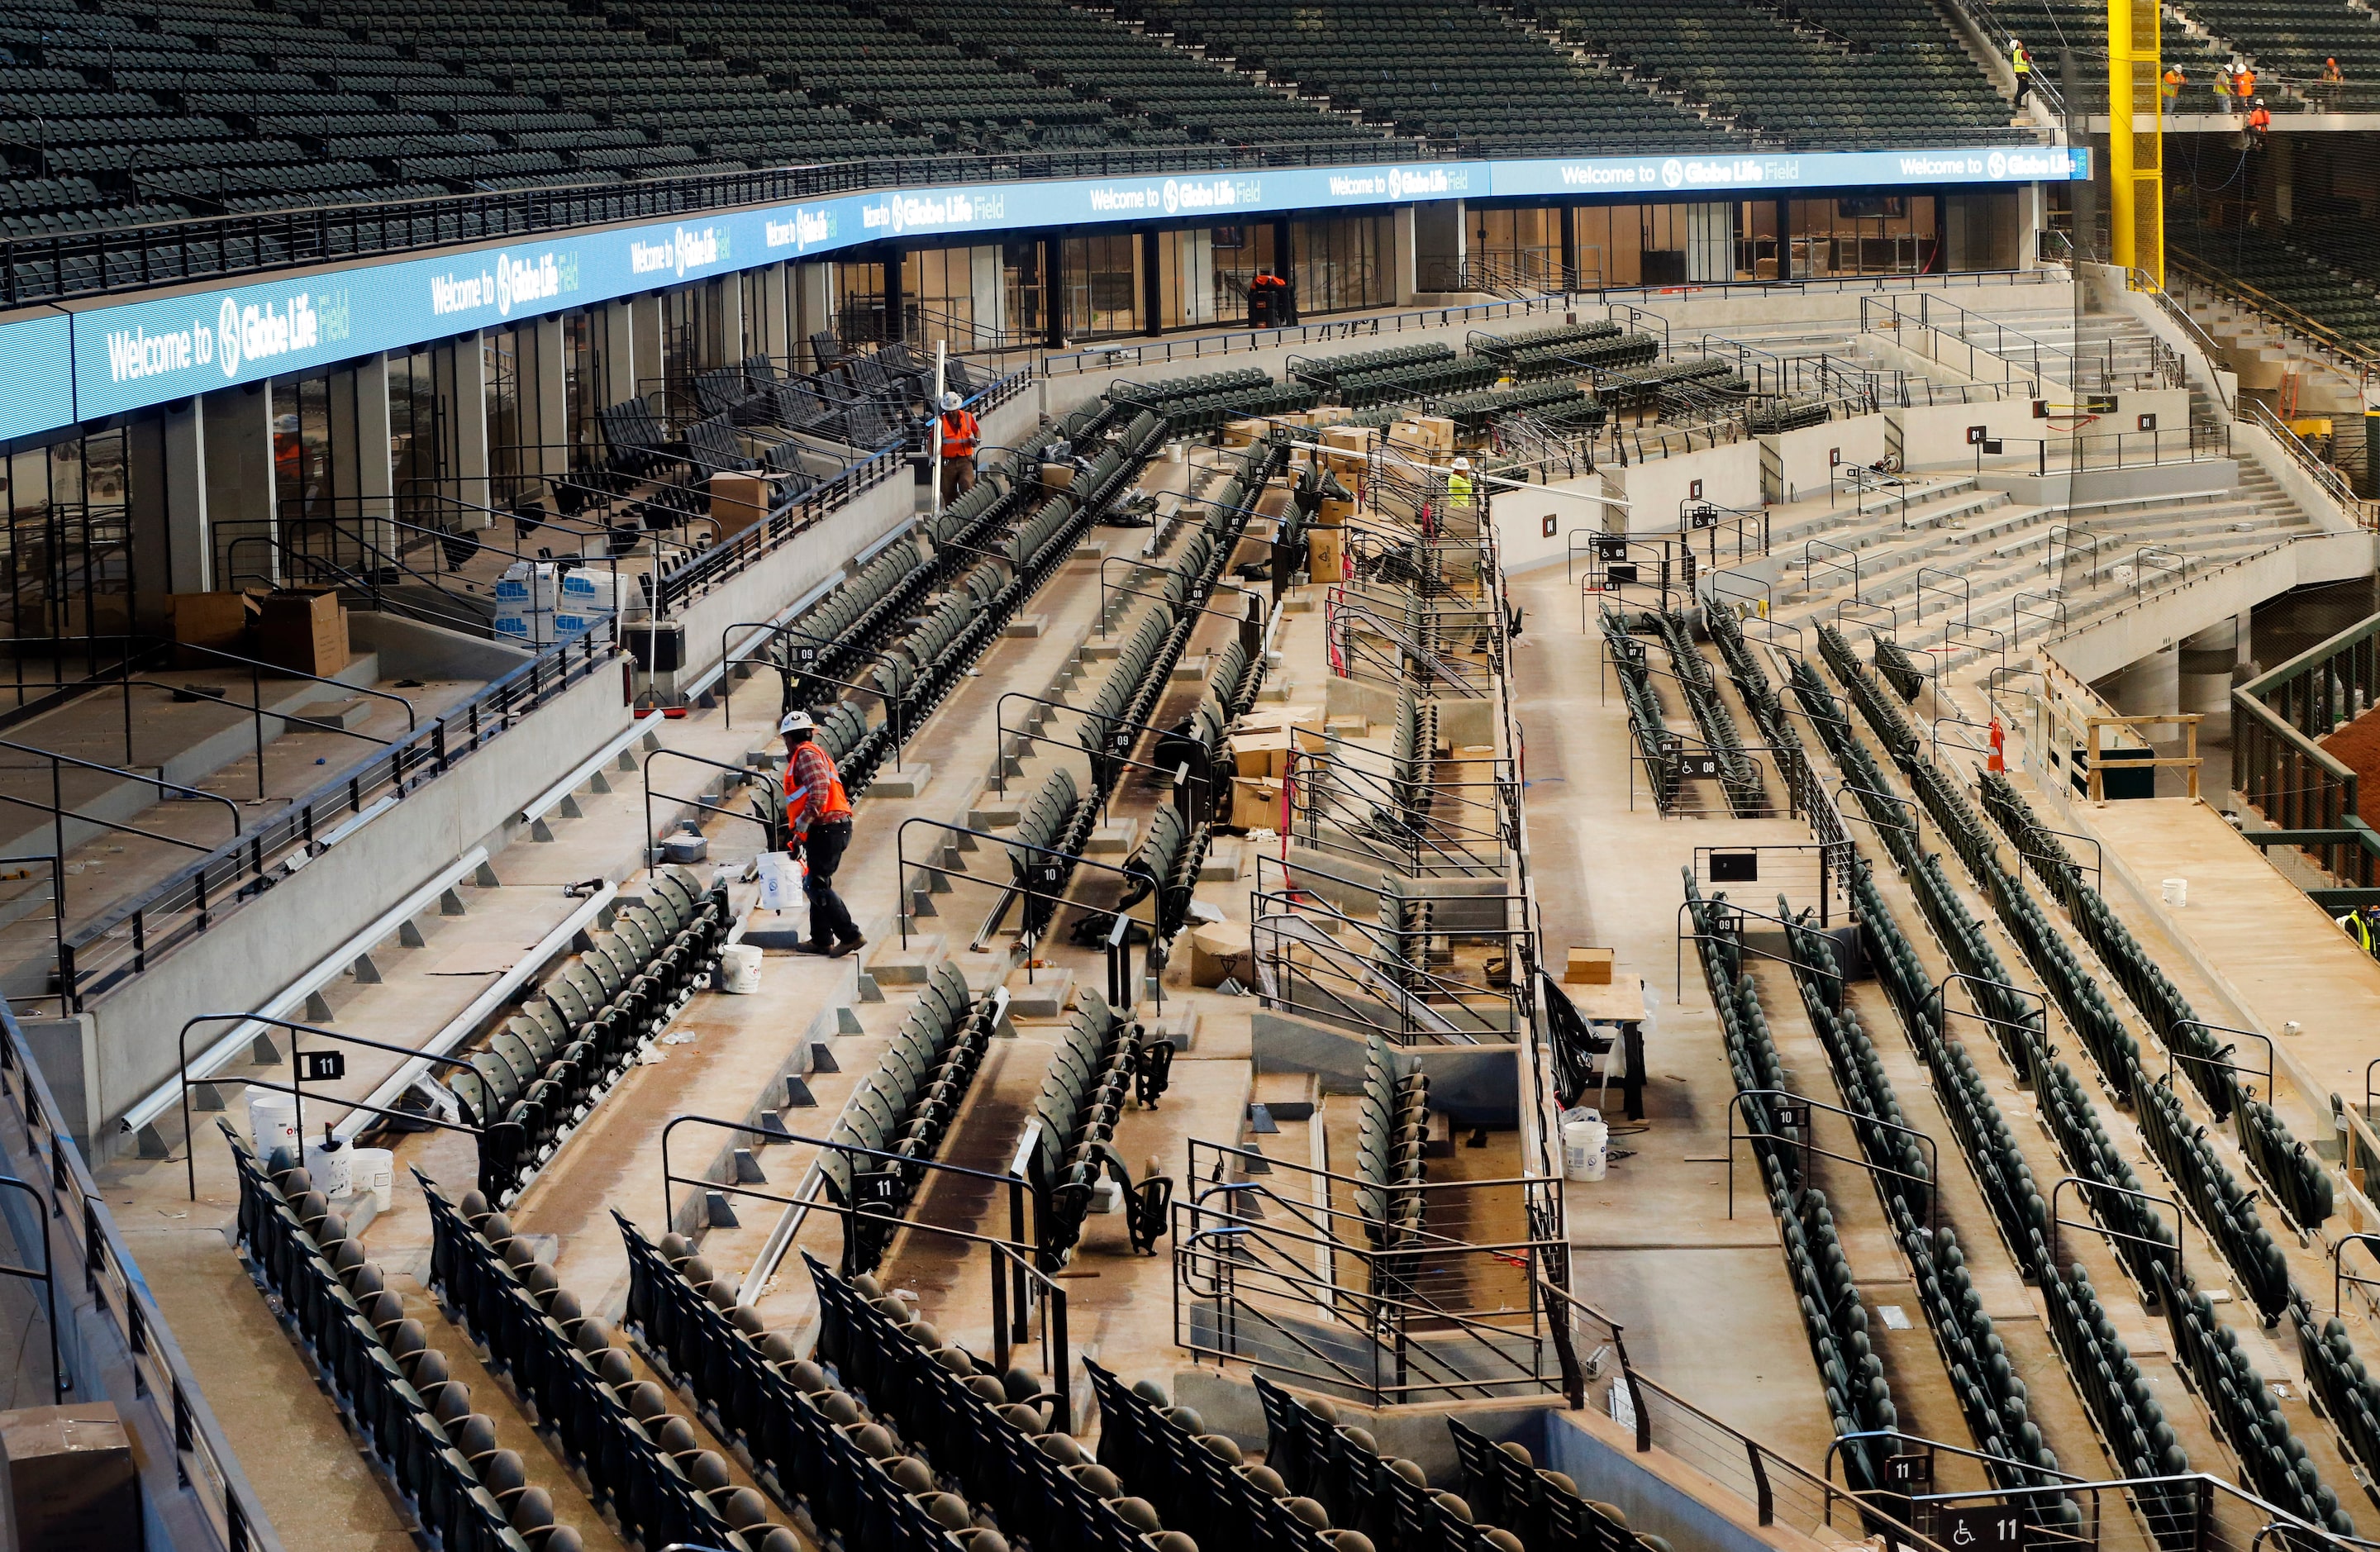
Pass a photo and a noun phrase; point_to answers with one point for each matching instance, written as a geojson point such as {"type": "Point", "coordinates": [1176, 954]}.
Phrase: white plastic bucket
{"type": "Point", "coordinates": [1583, 1147]}
{"type": "Point", "coordinates": [2177, 893]}
{"type": "Point", "coordinates": [331, 1166]}
{"type": "Point", "coordinates": [739, 966]}
{"type": "Point", "coordinates": [271, 1121]}
{"type": "Point", "coordinates": [373, 1171]}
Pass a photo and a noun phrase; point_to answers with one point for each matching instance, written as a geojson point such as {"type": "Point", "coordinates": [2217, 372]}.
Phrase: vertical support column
{"type": "Point", "coordinates": [988, 281]}
{"type": "Point", "coordinates": [1284, 264]}
{"type": "Point", "coordinates": [547, 417]}
{"type": "Point", "coordinates": [464, 381]}
{"type": "Point", "coordinates": [2031, 220]}
{"type": "Point", "coordinates": [1402, 258]}
{"type": "Point", "coordinates": [1152, 288]}
{"type": "Point", "coordinates": [164, 495]}
{"type": "Point", "coordinates": [2281, 162]}
{"type": "Point", "coordinates": [620, 352]}
{"type": "Point", "coordinates": [812, 290]}
{"type": "Point", "coordinates": [2135, 139]}
{"type": "Point", "coordinates": [1439, 244]}
{"type": "Point", "coordinates": [896, 283]}
{"type": "Point", "coordinates": [776, 332]}
{"type": "Point", "coordinates": [1784, 238]}
{"type": "Point", "coordinates": [1054, 290]}
{"type": "Point", "coordinates": [1565, 215]}
{"type": "Point", "coordinates": [727, 293]}
{"type": "Point", "coordinates": [363, 465]}
{"type": "Point", "coordinates": [235, 450]}
{"type": "Point", "coordinates": [645, 328]}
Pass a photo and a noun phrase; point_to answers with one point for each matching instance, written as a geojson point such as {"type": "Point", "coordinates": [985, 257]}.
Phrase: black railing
{"type": "Point", "coordinates": [122, 942]}
{"type": "Point", "coordinates": [170, 1410]}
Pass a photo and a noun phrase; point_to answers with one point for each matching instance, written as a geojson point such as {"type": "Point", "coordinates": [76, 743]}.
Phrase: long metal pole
{"type": "Point", "coordinates": [942, 377]}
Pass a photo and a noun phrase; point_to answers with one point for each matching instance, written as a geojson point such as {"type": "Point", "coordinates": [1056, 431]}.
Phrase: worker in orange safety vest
{"type": "Point", "coordinates": [817, 824]}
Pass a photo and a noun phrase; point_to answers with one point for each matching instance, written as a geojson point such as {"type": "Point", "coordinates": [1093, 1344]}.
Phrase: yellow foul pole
{"type": "Point", "coordinates": [2135, 139]}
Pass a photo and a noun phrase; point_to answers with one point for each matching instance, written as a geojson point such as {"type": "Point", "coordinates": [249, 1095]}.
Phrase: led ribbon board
{"type": "Point", "coordinates": [128, 355]}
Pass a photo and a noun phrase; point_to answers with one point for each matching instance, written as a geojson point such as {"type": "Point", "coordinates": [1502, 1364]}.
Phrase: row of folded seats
{"type": "Point", "coordinates": [1504, 1493]}
{"type": "Point", "coordinates": [904, 1108]}
{"type": "Point", "coordinates": [584, 1027]}
{"type": "Point", "coordinates": [1392, 1133]}
{"type": "Point", "coordinates": [2337, 1385]}
{"type": "Point", "coordinates": [1166, 865]}
{"type": "Point", "coordinates": [643, 1465]}
{"type": "Point", "coordinates": [2225, 1208]}
{"type": "Point", "coordinates": [2142, 1241]}
{"type": "Point", "coordinates": [1098, 1060]}
{"type": "Point", "coordinates": [1739, 773]}
{"type": "Point", "coordinates": [2246, 1412]}
{"type": "Point", "coordinates": [1413, 745]}
{"type": "Point", "coordinates": [2292, 1171]}
{"type": "Point", "coordinates": [1833, 1317]}
{"type": "Point", "coordinates": [1656, 744]}
{"type": "Point", "coordinates": [414, 1419]}
{"type": "Point", "coordinates": [1898, 668]}
{"type": "Point", "coordinates": [1201, 403]}
{"type": "Point", "coordinates": [1989, 1391]}
{"type": "Point", "coordinates": [2124, 1405]}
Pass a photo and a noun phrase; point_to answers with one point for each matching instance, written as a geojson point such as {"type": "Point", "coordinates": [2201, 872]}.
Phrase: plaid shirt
{"type": "Point", "coordinates": [812, 774]}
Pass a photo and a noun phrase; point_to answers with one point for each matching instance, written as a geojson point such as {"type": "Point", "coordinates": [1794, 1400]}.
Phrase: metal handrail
{"type": "Point", "coordinates": [167, 1407]}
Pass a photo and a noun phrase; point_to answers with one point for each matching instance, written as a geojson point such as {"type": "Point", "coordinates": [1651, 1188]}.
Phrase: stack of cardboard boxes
{"type": "Point", "coordinates": [301, 629]}
{"type": "Point", "coordinates": [1260, 754]}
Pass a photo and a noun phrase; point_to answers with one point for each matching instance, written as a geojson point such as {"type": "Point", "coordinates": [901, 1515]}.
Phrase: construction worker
{"type": "Point", "coordinates": [961, 435]}
{"type": "Point", "coordinates": [2259, 121]}
{"type": "Point", "coordinates": [2020, 61]}
{"type": "Point", "coordinates": [1267, 296]}
{"type": "Point", "coordinates": [2333, 78]}
{"type": "Point", "coordinates": [817, 824]}
{"type": "Point", "coordinates": [2362, 925]}
{"type": "Point", "coordinates": [2171, 89]}
{"type": "Point", "coordinates": [1457, 483]}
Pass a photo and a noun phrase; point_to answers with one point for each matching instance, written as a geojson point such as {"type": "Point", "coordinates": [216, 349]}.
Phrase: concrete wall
{"type": "Point", "coordinates": [1729, 475]}
{"type": "Point", "coordinates": [1934, 436]}
{"type": "Point", "coordinates": [1659, 1492]}
{"type": "Point", "coordinates": [1479, 1085]}
{"type": "Point", "coordinates": [414, 650]}
{"type": "Point", "coordinates": [1802, 464]}
{"type": "Point", "coordinates": [2119, 639]}
{"type": "Point", "coordinates": [270, 942]}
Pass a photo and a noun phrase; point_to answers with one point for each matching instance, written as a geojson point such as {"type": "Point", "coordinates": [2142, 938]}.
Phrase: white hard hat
{"type": "Point", "coordinates": [1462, 462]}
{"type": "Point", "coordinates": [796, 721]}
{"type": "Point", "coordinates": [951, 401]}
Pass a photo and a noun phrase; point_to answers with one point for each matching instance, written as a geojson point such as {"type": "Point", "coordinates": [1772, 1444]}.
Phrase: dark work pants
{"type": "Point", "coordinates": [830, 918]}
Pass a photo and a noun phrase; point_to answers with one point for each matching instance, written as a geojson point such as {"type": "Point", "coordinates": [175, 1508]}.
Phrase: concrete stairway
{"type": "Point", "coordinates": [1964, 571]}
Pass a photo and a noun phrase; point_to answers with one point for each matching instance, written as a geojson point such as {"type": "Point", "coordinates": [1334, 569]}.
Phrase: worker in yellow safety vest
{"type": "Point", "coordinates": [1457, 483]}
{"type": "Point", "coordinates": [2021, 62]}
{"type": "Point", "coordinates": [2358, 924]}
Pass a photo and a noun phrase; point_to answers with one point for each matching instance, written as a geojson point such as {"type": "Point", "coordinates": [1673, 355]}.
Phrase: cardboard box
{"type": "Point", "coordinates": [1262, 753]}
{"type": "Point", "coordinates": [1244, 434]}
{"type": "Point", "coordinates": [1256, 803]}
{"type": "Point", "coordinates": [1588, 968]}
{"type": "Point", "coordinates": [304, 629]}
{"type": "Point", "coordinates": [1334, 512]}
{"type": "Point", "coordinates": [1217, 953]}
{"type": "Point", "coordinates": [216, 620]}
{"type": "Point", "coordinates": [1439, 430]}
{"type": "Point", "coordinates": [1057, 476]}
{"type": "Point", "coordinates": [738, 500]}
{"type": "Point", "coordinates": [1326, 555]}
{"type": "Point", "coordinates": [71, 1484]}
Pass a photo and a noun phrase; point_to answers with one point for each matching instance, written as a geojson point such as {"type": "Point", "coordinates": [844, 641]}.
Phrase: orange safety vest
{"type": "Point", "coordinates": [2261, 120]}
{"type": "Point", "coordinates": [798, 796]}
{"type": "Point", "coordinates": [959, 434]}
{"type": "Point", "coordinates": [2247, 83]}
